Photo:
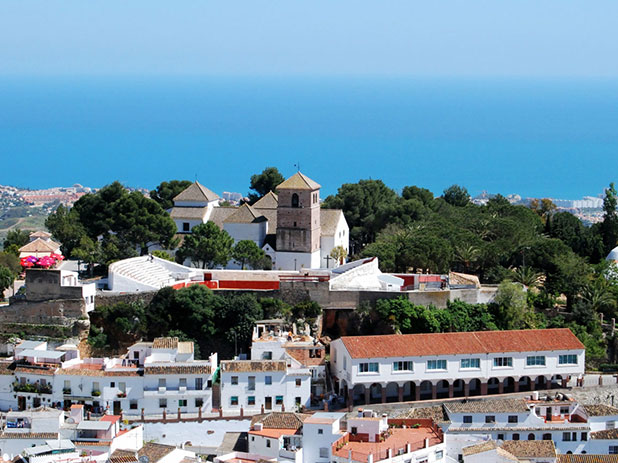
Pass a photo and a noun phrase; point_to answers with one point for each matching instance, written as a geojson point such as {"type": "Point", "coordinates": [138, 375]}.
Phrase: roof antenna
{"type": "Point", "coordinates": [297, 165]}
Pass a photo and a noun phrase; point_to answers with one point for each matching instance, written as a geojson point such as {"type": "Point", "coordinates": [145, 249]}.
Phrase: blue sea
{"type": "Point", "coordinates": [535, 138]}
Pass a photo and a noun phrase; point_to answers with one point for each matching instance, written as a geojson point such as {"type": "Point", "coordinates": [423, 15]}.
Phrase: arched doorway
{"type": "Point", "coordinates": [375, 393]}
{"type": "Point", "coordinates": [442, 389]}
{"type": "Point", "coordinates": [556, 382]}
{"type": "Point", "coordinates": [409, 391]}
{"type": "Point", "coordinates": [493, 386]}
{"type": "Point", "coordinates": [508, 385]}
{"type": "Point", "coordinates": [426, 390]}
{"type": "Point", "coordinates": [459, 388]}
{"type": "Point", "coordinates": [540, 382]}
{"type": "Point", "coordinates": [392, 392]}
{"type": "Point", "coordinates": [524, 383]}
{"type": "Point", "coordinates": [358, 394]}
{"type": "Point", "coordinates": [474, 387]}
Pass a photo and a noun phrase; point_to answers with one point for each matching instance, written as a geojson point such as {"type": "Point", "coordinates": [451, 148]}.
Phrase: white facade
{"type": "Point", "coordinates": [319, 433]}
{"type": "Point", "coordinates": [275, 385]}
{"type": "Point", "coordinates": [340, 237]}
{"type": "Point", "coordinates": [297, 260]}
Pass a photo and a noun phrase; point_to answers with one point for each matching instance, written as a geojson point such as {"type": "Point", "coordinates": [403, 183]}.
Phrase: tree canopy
{"type": "Point", "coordinates": [15, 239]}
{"type": "Point", "coordinates": [167, 191]}
{"type": "Point", "coordinates": [207, 246]}
{"type": "Point", "coordinates": [247, 252]}
{"type": "Point", "coordinates": [262, 183]}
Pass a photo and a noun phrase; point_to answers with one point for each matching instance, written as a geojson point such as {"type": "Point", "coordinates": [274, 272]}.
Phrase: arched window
{"type": "Point", "coordinates": [531, 436]}
{"type": "Point", "coordinates": [294, 200]}
{"type": "Point", "coordinates": [516, 436]}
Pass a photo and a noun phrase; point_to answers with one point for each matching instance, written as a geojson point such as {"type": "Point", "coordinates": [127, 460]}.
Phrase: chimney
{"type": "Point", "coordinates": [426, 443]}
{"type": "Point", "coordinates": [258, 426]}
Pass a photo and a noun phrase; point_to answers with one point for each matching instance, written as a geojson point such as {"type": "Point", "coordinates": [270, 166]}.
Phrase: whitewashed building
{"type": "Point", "coordinates": [264, 385]}
{"type": "Point", "coordinates": [429, 366]}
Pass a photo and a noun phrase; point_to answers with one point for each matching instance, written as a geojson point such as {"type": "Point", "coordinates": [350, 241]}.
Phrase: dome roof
{"type": "Point", "coordinates": [613, 255]}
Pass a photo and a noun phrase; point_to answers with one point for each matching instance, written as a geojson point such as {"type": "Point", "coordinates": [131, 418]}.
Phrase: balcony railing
{"type": "Point", "coordinates": [34, 388]}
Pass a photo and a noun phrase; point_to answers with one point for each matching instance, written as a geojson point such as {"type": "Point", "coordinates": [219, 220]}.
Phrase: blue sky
{"type": "Point", "coordinates": [536, 38]}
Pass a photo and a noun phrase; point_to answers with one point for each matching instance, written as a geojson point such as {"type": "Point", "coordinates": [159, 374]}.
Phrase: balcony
{"type": "Point", "coordinates": [33, 388]}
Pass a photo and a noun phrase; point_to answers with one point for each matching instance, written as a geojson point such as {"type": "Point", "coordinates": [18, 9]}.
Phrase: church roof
{"type": "Point", "coordinates": [245, 214]}
{"type": "Point", "coordinates": [219, 215]}
{"type": "Point", "coordinates": [196, 192]}
{"type": "Point", "coordinates": [613, 255]}
{"type": "Point", "coordinates": [329, 218]}
{"type": "Point", "coordinates": [268, 201]}
{"type": "Point", "coordinates": [299, 181]}
{"type": "Point", "coordinates": [188, 212]}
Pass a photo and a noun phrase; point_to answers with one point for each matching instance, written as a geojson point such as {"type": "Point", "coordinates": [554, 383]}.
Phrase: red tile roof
{"type": "Point", "coordinates": [417, 345]}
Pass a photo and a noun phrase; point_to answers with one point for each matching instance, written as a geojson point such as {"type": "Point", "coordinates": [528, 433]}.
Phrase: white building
{"type": "Point", "coordinates": [153, 378]}
{"type": "Point", "coordinates": [264, 385]}
{"type": "Point", "coordinates": [425, 366]}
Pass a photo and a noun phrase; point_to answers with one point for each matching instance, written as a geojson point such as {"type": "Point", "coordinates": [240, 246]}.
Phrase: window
{"type": "Point", "coordinates": [567, 359]}
{"type": "Point", "coordinates": [209, 384]}
{"type": "Point", "coordinates": [320, 431]}
{"type": "Point", "coordinates": [584, 436]}
{"type": "Point", "coordinates": [294, 200]}
{"type": "Point", "coordinates": [371, 367]}
{"type": "Point", "coordinates": [185, 226]}
{"type": "Point", "coordinates": [354, 430]}
{"type": "Point", "coordinates": [503, 362]}
{"type": "Point", "coordinates": [297, 401]}
{"type": "Point", "coordinates": [267, 355]}
{"type": "Point", "coordinates": [298, 382]}
{"type": "Point", "coordinates": [471, 363]}
{"type": "Point", "coordinates": [323, 452]}
{"type": "Point", "coordinates": [234, 400]}
{"type": "Point", "coordinates": [199, 403]}
{"type": "Point", "coordinates": [439, 454]}
{"type": "Point", "coordinates": [613, 450]}
{"type": "Point", "coordinates": [251, 386]}
{"type": "Point", "coordinates": [403, 366]}
{"type": "Point", "coordinates": [182, 382]}
{"type": "Point", "coordinates": [67, 384]}
{"type": "Point", "coordinates": [133, 404]}
{"type": "Point", "coordinates": [234, 380]}
{"type": "Point", "coordinates": [267, 442]}
{"type": "Point", "coordinates": [535, 360]}
{"type": "Point", "coordinates": [531, 436]}
{"type": "Point", "coordinates": [162, 403]}
{"type": "Point", "coordinates": [467, 419]}
{"type": "Point", "coordinates": [513, 419]}
{"type": "Point", "coordinates": [566, 436]}
{"type": "Point", "coordinates": [112, 384]}
{"type": "Point", "coordinates": [436, 364]}
{"type": "Point", "coordinates": [268, 380]}
{"type": "Point", "coordinates": [345, 363]}
{"type": "Point", "coordinates": [251, 400]}
{"type": "Point", "coordinates": [564, 410]}
{"type": "Point", "coordinates": [610, 424]}
{"type": "Point", "coordinates": [516, 436]}
{"type": "Point", "coordinates": [490, 419]}
{"type": "Point", "coordinates": [161, 382]}
{"type": "Point", "coordinates": [182, 402]}
{"type": "Point", "coordinates": [278, 400]}
{"type": "Point", "coordinates": [199, 383]}
{"type": "Point", "coordinates": [500, 436]}
{"type": "Point", "coordinates": [122, 387]}
{"type": "Point", "coordinates": [547, 436]}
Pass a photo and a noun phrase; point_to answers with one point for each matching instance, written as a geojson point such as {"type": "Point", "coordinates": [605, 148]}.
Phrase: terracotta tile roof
{"type": "Point", "coordinates": [185, 347]}
{"type": "Point", "coordinates": [302, 355]}
{"type": "Point", "coordinates": [219, 214]}
{"type": "Point", "coordinates": [28, 435]}
{"type": "Point", "coordinates": [34, 371]}
{"type": "Point", "coordinates": [488, 406]}
{"type": "Point", "coordinates": [606, 434]}
{"type": "Point", "coordinates": [299, 181]}
{"type": "Point", "coordinates": [456, 278]}
{"type": "Point", "coordinates": [89, 372]}
{"type": "Point", "coordinates": [329, 218]}
{"type": "Point", "coordinates": [417, 345]}
{"type": "Point", "coordinates": [281, 420]}
{"type": "Point", "coordinates": [40, 245]}
{"type": "Point", "coordinates": [600, 410]}
{"type": "Point", "coordinates": [567, 458]}
{"type": "Point", "coordinates": [230, 366]}
{"type": "Point", "coordinates": [480, 448]}
{"type": "Point", "coordinates": [245, 214]}
{"type": "Point", "coordinates": [269, 201]}
{"type": "Point", "coordinates": [153, 451]}
{"type": "Point", "coordinates": [178, 370]}
{"type": "Point", "coordinates": [274, 433]}
{"type": "Point", "coordinates": [196, 192]}
{"type": "Point", "coordinates": [180, 212]}
{"type": "Point", "coordinates": [5, 370]}
{"type": "Point", "coordinates": [165, 343]}
{"type": "Point", "coordinates": [40, 234]}
{"type": "Point", "coordinates": [530, 448]}
{"type": "Point", "coordinates": [122, 456]}
{"type": "Point", "coordinates": [436, 413]}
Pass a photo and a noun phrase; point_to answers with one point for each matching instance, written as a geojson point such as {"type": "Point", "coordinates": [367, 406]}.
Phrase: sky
{"type": "Point", "coordinates": [473, 38]}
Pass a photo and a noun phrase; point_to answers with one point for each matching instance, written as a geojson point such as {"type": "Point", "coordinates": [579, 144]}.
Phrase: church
{"type": "Point", "coordinates": [290, 226]}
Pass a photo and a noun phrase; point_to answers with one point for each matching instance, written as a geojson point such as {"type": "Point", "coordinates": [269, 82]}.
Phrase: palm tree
{"type": "Point", "coordinates": [597, 296]}
{"type": "Point", "coordinates": [527, 277]}
{"type": "Point", "coordinates": [467, 254]}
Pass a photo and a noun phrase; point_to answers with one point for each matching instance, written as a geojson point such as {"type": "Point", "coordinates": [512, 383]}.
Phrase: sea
{"type": "Point", "coordinates": [536, 138]}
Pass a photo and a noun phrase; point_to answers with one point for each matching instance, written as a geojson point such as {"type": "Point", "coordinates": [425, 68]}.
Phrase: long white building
{"type": "Point", "coordinates": [429, 366]}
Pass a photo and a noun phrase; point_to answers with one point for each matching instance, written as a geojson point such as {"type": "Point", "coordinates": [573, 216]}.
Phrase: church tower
{"type": "Point", "coordinates": [298, 219]}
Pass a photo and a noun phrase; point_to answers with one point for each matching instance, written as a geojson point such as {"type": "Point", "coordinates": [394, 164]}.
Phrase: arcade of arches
{"type": "Point", "coordinates": [381, 392]}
